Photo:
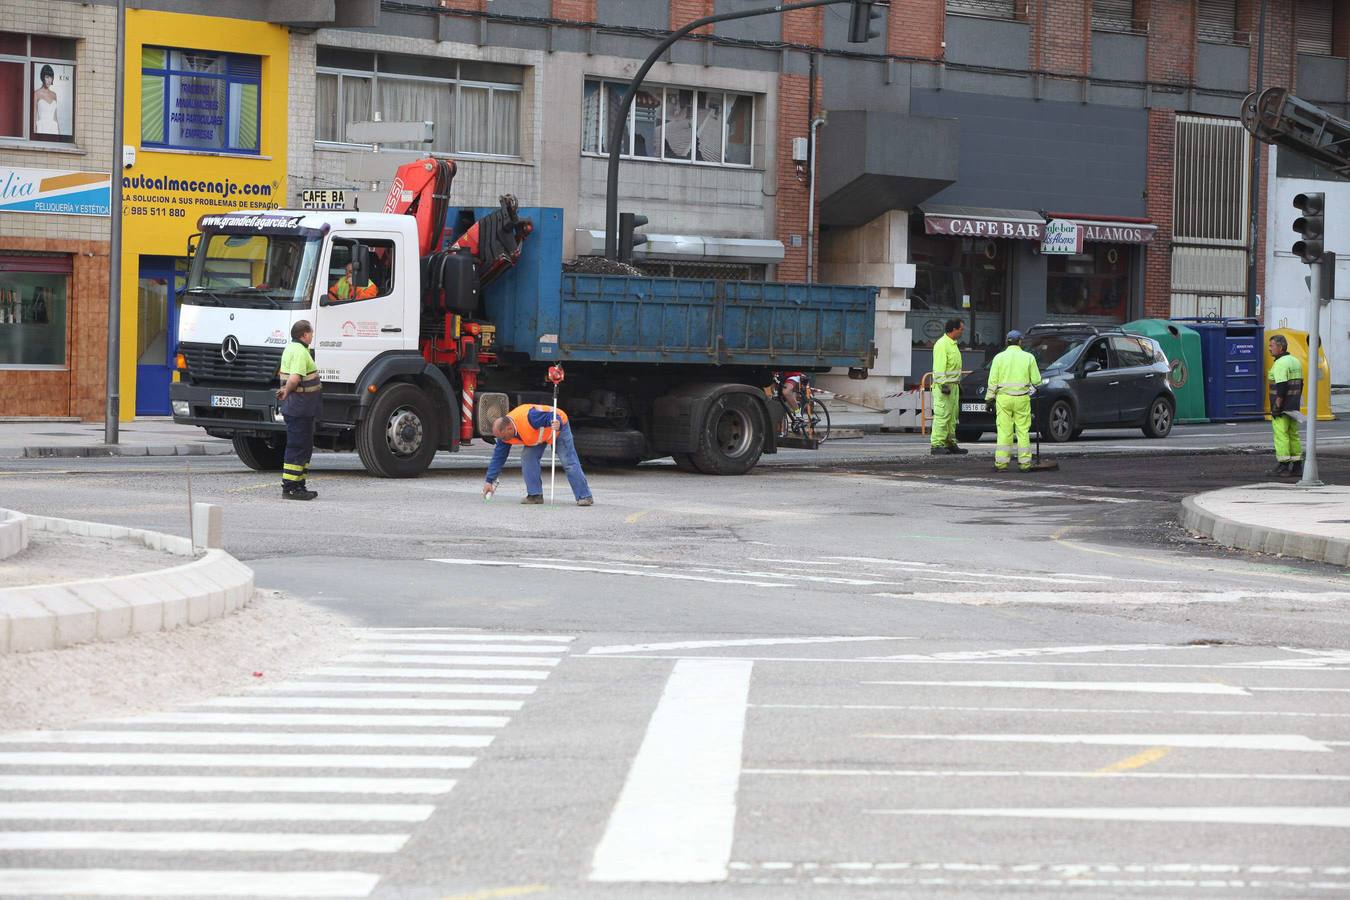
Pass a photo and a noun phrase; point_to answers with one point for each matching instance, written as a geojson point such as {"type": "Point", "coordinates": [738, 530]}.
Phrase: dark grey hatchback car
{"type": "Point", "coordinates": [1091, 377]}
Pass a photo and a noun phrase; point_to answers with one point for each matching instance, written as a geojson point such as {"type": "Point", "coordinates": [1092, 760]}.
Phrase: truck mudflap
{"type": "Point", "coordinates": [679, 417]}
{"type": "Point", "coordinates": [408, 365]}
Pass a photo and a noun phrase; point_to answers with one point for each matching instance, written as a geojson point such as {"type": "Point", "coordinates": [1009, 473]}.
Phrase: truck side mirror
{"type": "Point", "coordinates": [193, 241]}
{"type": "Point", "coordinates": [360, 265]}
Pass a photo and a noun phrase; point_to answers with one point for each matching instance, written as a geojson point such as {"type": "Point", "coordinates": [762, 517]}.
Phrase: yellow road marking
{"type": "Point", "coordinates": [1138, 761]}
{"type": "Point", "coordinates": [492, 893]}
{"type": "Point", "coordinates": [632, 520]}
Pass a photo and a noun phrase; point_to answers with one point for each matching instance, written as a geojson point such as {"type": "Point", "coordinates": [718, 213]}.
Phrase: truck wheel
{"type": "Point", "coordinates": [685, 462]}
{"type": "Point", "coordinates": [260, 454]}
{"type": "Point", "coordinates": [398, 437]}
{"type": "Point", "coordinates": [609, 446]}
{"type": "Point", "coordinates": [731, 436]}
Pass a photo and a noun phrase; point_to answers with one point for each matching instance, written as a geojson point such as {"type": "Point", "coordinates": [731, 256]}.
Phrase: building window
{"type": "Point", "coordinates": [475, 106]}
{"type": "Point", "coordinates": [958, 278]}
{"type": "Point", "coordinates": [1312, 26]}
{"type": "Point", "coordinates": [1113, 15]}
{"type": "Point", "coordinates": [1092, 286]}
{"type": "Point", "coordinates": [33, 292]}
{"type": "Point", "coordinates": [1216, 21]}
{"type": "Point", "coordinates": [200, 100]}
{"type": "Point", "coordinates": [990, 9]}
{"type": "Point", "coordinates": [37, 87]}
{"type": "Point", "coordinates": [670, 123]}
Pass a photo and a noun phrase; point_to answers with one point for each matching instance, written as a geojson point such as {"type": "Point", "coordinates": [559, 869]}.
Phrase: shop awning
{"type": "Point", "coordinates": [1108, 231]}
{"type": "Point", "coordinates": [983, 222]}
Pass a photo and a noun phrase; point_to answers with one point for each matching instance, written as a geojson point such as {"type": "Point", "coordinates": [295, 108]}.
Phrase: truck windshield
{"type": "Point", "coordinates": [1054, 351]}
{"type": "Point", "coordinates": [253, 271]}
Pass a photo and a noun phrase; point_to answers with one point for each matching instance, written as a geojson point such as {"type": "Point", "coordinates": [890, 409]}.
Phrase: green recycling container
{"type": "Point", "coordinates": [1183, 348]}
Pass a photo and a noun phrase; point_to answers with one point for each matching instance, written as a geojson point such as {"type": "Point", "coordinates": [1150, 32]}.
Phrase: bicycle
{"type": "Point", "coordinates": [811, 419]}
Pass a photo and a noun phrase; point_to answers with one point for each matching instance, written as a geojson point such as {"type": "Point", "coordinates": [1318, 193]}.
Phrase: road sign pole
{"type": "Point", "coordinates": [1315, 282]}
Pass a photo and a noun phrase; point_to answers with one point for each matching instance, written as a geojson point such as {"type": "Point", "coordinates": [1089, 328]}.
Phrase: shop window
{"type": "Point", "coordinates": [33, 297]}
{"type": "Point", "coordinates": [37, 87]}
{"type": "Point", "coordinates": [670, 123]}
{"type": "Point", "coordinates": [200, 100]}
{"type": "Point", "coordinates": [959, 278]}
{"type": "Point", "coordinates": [475, 106]}
{"type": "Point", "coordinates": [1092, 286]}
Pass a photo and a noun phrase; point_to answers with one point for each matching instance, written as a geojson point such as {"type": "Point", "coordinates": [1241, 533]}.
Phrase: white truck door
{"type": "Point", "coordinates": [356, 323]}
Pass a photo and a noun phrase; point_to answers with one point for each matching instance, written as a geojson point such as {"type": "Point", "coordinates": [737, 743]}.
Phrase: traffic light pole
{"type": "Point", "coordinates": [616, 139]}
{"type": "Point", "coordinates": [1316, 282]}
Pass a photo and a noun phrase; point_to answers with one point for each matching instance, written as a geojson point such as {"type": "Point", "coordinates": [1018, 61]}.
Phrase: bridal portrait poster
{"type": "Point", "coordinates": [53, 102]}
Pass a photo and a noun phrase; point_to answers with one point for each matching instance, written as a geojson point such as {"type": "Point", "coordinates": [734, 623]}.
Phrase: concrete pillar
{"type": "Point", "coordinates": [208, 526]}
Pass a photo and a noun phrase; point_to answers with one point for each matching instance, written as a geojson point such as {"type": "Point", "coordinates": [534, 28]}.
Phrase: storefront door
{"type": "Point", "coordinates": [156, 333]}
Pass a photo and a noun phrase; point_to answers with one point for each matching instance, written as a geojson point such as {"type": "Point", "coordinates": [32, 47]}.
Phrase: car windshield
{"type": "Point", "coordinates": [1054, 350]}
{"type": "Point", "coordinates": [253, 271]}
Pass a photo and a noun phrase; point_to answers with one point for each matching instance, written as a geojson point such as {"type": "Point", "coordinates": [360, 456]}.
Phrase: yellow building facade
{"type": "Point", "coordinates": [205, 131]}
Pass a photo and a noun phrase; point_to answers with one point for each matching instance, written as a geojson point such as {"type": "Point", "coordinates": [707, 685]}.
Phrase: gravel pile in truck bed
{"type": "Point", "coordinates": [599, 265]}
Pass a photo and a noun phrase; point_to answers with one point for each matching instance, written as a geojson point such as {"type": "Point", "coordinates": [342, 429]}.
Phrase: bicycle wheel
{"type": "Point", "coordinates": [817, 418]}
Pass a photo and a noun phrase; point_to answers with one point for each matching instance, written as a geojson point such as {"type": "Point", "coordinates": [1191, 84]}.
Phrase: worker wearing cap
{"type": "Point", "coordinates": [947, 389]}
{"type": "Point", "coordinates": [344, 289]}
{"type": "Point", "coordinates": [1286, 393]}
{"type": "Point", "coordinates": [301, 401]}
{"type": "Point", "coordinates": [535, 427]}
{"type": "Point", "coordinates": [1013, 378]}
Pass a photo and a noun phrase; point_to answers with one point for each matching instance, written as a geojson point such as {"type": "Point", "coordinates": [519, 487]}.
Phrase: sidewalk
{"type": "Point", "coordinates": [1314, 523]}
{"type": "Point", "coordinates": [151, 436]}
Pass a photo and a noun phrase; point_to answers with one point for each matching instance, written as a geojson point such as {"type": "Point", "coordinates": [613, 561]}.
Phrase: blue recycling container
{"type": "Point", "coordinates": [1232, 350]}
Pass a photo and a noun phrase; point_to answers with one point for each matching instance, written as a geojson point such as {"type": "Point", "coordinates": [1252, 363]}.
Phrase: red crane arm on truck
{"type": "Point", "coordinates": [422, 190]}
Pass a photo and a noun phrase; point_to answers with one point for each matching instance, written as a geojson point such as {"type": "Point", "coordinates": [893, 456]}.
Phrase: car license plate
{"type": "Point", "coordinates": [972, 407]}
{"type": "Point", "coordinates": [227, 401]}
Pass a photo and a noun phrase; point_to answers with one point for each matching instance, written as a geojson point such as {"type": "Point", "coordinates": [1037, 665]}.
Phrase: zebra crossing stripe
{"type": "Point", "coordinates": [170, 883]}
{"type": "Point", "coordinates": [390, 687]}
{"type": "Point", "coordinates": [249, 739]}
{"type": "Point", "coordinates": [430, 672]}
{"type": "Point", "coordinates": [224, 784]}
{"type": "Point", "coordinates": [237, 760]}
{"type": "Point", "coordinates": [461, 648]}
{"type": "Point", "coordinates": [436, 634]}
{"type": "Point", "coordinates": [202, 841]}
{"type": "Point", "coordinates": [120, 811]}
{"type": "Point", "coordinates": [450, 660]}
{"type": "Point", "coordinates": [414, 703]}
{"type": "Point", "coordinates": [349, 720]}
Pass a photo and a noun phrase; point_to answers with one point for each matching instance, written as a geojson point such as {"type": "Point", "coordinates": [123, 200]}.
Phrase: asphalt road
{"type": "Point", "coordinates": [866, 672]}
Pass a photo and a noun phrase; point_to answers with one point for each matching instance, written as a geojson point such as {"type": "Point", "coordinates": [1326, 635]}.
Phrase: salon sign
{"type": "Point", "coordinates": [54, 191]}
{"type": "Point", "coordinates": [1062, 238]}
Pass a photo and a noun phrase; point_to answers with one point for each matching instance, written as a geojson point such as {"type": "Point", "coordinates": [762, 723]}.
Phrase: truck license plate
{"type": "Point", "coordinates": [227, 401]}
{"type": "Point", "coordinates": [972, 407]}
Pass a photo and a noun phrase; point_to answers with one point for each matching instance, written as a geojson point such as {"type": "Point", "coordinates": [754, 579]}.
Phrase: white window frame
{"type": "Point", "coordinates": [375, 76]}
{"type": "Point", "coordinates": [693, 160]}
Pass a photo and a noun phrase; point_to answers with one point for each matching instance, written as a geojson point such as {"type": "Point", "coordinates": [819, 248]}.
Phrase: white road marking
{"type": "Point", "coordinates": [741, 642]}
{"type": "Point", "coordinates": [408, 703]}
{"type": "Point", "coordinates": [890, 562]}
{"type": "Point", "coordinates": [448, 649]}
{"type": "Point", "coordinates": [1302, 690]}
{"type": "Point", "coordinates": [795, 562]}
{"type": "Point", "coordinates": [436, 634]}
{"type": "Point", "coordinates": [675, 818]}
{"type": "Point", "coordinates": [120, 811]}
{"type": "Point", "coordinates": [391, 687]}
{"type": "Point", "coordinates": [1115, 597]}
{"type": "Point", "coordinates": [606, 570]}
{"type": "Point", "coordinates": [1129, 687]}
{"type": "Point", "coordinates": [1043, 884]}
{"type": "Point", "coordinates": [1012, 653]}
{"type": "Point", "coordinates": [1011, 773]}
{"type": "Point", "coordinates": [236, 760]}
{"type": "Point", "coordinates": [248, 739]}
{"type": "Point", "coordinates": [225, 784]}
{"type": "Point", "coordinates": [350, 720]}
{"type": "Point", "coordinates": [1316, 816]}
{"type": "Point", "coordinates": [1069, 870]}
{"type": "Point", "coordinates": [201, 841]}
{"type": "Point", "coordinates": [1292, 742]}
{"type": "Point", "coordinates": [169, 883]}
{"type": "Point", "coordinates": [1058, 664]}
{"type": "Point", "coordinates": [1058, 710]}
{"type": "Point", "coordinates": [450, 660]}
{"type": "Point", "coordinates": [429, 672]}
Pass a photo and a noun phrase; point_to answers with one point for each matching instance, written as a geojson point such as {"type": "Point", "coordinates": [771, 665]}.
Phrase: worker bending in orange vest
{"type": "Point", "coordinates": [532, 427]}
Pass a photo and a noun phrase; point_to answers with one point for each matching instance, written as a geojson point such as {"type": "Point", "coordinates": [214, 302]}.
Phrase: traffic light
{"type": "Point", "coordinates": [1311, 226]}
{"type": "Point", "coordinates": [860, 16]}
{"type": "Point", "coordinates": [628, 240]}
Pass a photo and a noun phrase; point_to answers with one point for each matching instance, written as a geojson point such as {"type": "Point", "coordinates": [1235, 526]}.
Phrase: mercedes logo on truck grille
{"type": "Point", "coordinates": [229, 348]}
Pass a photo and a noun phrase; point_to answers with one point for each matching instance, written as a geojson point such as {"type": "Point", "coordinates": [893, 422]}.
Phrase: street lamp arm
{"type": "Point", "coordinates": [616, 139]}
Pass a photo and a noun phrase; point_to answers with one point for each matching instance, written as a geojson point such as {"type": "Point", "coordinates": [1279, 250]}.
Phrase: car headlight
{"type": "Point", "coordinates": [182, 408]}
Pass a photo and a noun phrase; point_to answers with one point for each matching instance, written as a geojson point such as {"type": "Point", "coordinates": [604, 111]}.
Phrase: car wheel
{"type": "Point", "coordinates": [969, 435]}
{"type": "Point", "coordinates": [1158, 424]}
{"type": "Point", "coordinates": [1058, 426]}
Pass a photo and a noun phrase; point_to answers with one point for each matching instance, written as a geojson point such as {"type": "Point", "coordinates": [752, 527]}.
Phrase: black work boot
{"type": "Point", "coordinates": [1281, 470]}
{"type": "Point", "coordinates": [954, 450]}
{"type": "Point", "coordinates": [533, 499]}
{"type": "Point", "coordinates": [295, 490]}
{"type": "Point", "coordinates": [1296, 469]}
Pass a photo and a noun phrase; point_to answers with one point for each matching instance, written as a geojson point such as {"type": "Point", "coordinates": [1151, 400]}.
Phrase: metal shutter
{"type": "Point", "coordinates": [993, 9]}
{"type": "Point", "coordinates": [1217, 21]}
{"type": "Point", "coordinates": [1113, 15]}
{"type": "Point", "coordinates": [1312, 22]}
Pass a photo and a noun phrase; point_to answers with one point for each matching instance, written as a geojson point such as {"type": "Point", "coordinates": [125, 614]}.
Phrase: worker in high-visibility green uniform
{"type": "Point", "coordinates": [1012, 380]}
{"type": "Point", "coordinates": [947, 389]}
{"type": "Point", "coordinates": [1286, 393]}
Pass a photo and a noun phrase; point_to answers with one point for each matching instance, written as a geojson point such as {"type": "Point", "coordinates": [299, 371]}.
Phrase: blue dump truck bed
{"type": "Point", "coordinates": [546, 314]}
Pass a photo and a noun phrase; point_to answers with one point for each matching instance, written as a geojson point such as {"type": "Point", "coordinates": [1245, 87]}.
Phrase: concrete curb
{"type": "Point", "coordinates": [99, 450]}
{"type": "Point", "coordinates": [47, 616]}
{"type": "Point", "coordinates": [14, 530]}
{"type": "Point", "coordinates": [1263, 539]}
